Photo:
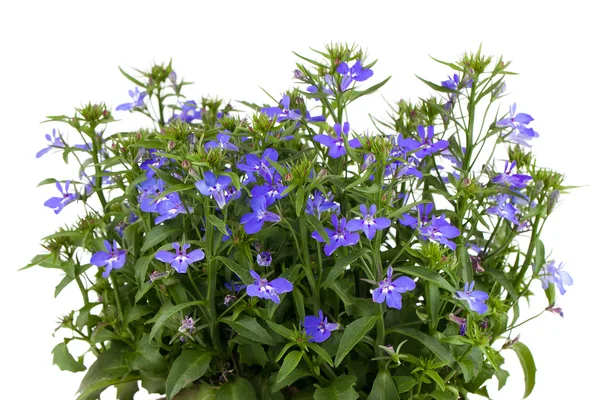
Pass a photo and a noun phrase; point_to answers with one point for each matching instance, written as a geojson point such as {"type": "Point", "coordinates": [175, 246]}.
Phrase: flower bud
{"type": "Point", "coordinates": [552, 200]}
{"type": "Point", "coordinates": [185, 164]}
{"type": "Point", "coordinates": [171, 145]}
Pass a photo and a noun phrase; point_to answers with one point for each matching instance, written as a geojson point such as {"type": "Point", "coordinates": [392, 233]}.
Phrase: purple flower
{"type": "Point", "coordinates": [221, 143]}
{"type": "Point", "coordinates": [336, 145]}
{"type": "Point", "coordinates": [423, 212]}
{"type": "Point", "coordinates": [112, 258]}
{"type": "Point", "coordinates": [428, 147]}
{"type": "Point", "coordinates": [264, 289]}
{"type": "Point", "coordinates": [369, 224]}
{"type": "Point", "coordinates": [318, 328]}
{"type": "Point", "coordinates": [389, 291]}
{"type": "Point", "coordinates": [355, 74]}
{"type": "Point", "coordinates": [58, 203]}
{"type": "Point", "coordinates": [180, 259]}
{"type": "Point", "coordinates": [555, 310]}
{"type": "Point", "coordinates": [474, 298]}
{"type": "Point", "coordinates": [319, 203]}
{"type": "Point", "coordinates": [254, 221]}
{"type": "Point", "coordinates": [264, 259]}
{"type": "Point", "coordinates": [150, 191]}
{"type": "Point", "coordinates": [462, 322]}
{"type": "Point", "coordinates": [215, 187]}
{"type": "Point", "coordinates": [520, 133]}
{"type": "Point", "coordinates": [55, 142]}
{"type": "Point", "coordinates": [315, 89]}
{"type": "Point", "coordinates": [340, 236]}
{"type": "Point", "coordinates": [282, 114]}
{"type": "Point", "coordinates": [261, 165]}
{"type": "Point", "coordinates": [504, 209]}
{"type": "Point", "coordinates": [234, 286]}
{"type": "Point", "coordinates": [552, 273]}
{"type": "Point", "coordinates": [190, 112]}
{"type": "Point", "coordinates": [187, 325]}
{"type": "Point", "coordinates": [154, 162]}
{"type": "Point", "coordinates": [440, 230]}
{"type": "Point", "coordinates": [513, 181]}
{"type": "Point", "coordinates": [272, 190]}
{"type": "Point", "coordinates": [170, 208]}
{"type": "Point", "coordinates": [138, 100]}
{"type": "Point", "coordinates": [453, 83]}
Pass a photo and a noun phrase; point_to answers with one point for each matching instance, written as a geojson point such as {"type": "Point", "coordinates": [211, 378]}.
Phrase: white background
{"type": "Point", "coordinates": [57, 55]}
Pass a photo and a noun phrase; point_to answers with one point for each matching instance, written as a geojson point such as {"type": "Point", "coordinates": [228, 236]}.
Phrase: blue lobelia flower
{"type": "Point", "coordinates": [354, 74]}
{"type": "Point", "coordinates": [154, 162]}
{"type": "Point", "coordinates": [221, 143]}
{"type": "Point", "coordinates": [513, 181]}
{"type": "Point", "coordinates": [462, 323]}
{"type": "Point", "coordinates": [440, 230]}
{"type": "Point", "coordinates": [423, 212]}
{"type": "Point", "coordinates": [369, 224]}
{"type": "Point", "coordinates": [253, 222]}
{"type": "Point", "coordinates": [170, 208]}
{"type": "Point", "coordinates": [504, 209]}
{"type": "Point", "coordinates": [55, 142]}
{"type": "Point", "coordinates": [474, 298]}
{"type": "Point", "coordinates": [190, 112]}
{"type": "Point", "coordinates": [336, 145]}
{"type": "Point", "coordinates": [215, 188]}
{"type": "Point", "coordinates": [340, 236]}
{"type": "Point", "coordinates": [272, 190]}
{"type": "Point", "coordinates": [282, 114]}
{"type": "Point", "coordinates": [264, 259]}
{"type": "Point", "coordinates": [317, 328]}
{"type": "Point", "coordinates": [520, 133]}
{"type": "Point", "coordinates": [138, 100]}
{"type": "Point", "coordinates": [454, 82]}
{"type": "Point", "coordinates": [552, 273]}
{"type": "Point", "coordinates": [428, 147]}
{"type": "Point", "coordinates": [112, 258]}
{"type": "Point", "coordinates": [150, 191]}
{"type": "Point", "coordinates": [264, 289]}
{"type": "Point", "coordinates": [180, 259]}
{"type": "Point", "coordinates": [390, 291]}
{"type": "Point", "coordinates": [262, 166]}
{"type": "Point", "coordinates": [58, 203]}
{"type": "Point", "coordinates": [319, 203]}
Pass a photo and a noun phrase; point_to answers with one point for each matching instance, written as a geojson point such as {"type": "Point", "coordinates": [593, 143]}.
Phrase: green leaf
{"type": "Point", "coordinates": [384, 387]}
{"type": "Point", "coordinates": [341, 264]}
{"type": "Point", "coordinates": [296, 374]}
{"type": "Point", "coordinates": [503, 280]}
{"type": "Point", "coordinates": [108, 369]}
{"type": "Point", "coordinates": [342, 289]}
{"type": "Point", "coordinates": [437, 378]}
{"type": "Point", "coordinates": [251, 329]}
{"type": "Point", "coordinates": [321, 352]}
{"type": "Point", "coordinates": [158, 234]}
{"type": "Point", "coordinates": [318, 227]}
{"type": "Point", "coordinates": [146, 357]}
{"type": "Point", "coordinates": [253, 354]}
{"type": "Point", "coordinates": [439, 395]}
{"type": "Point", "coordinates": [289, 364]}
{"type": "Point", "coordinates": [465, 264]}
{"type": "Point", "coordinates": [528, 365]}
{"type": "Point", "coordinates": [436, 348]}
{"type": "Point", "coordinates": [540, 256]}
{"type": "Point", "coordinates": [64, 360]}
{"type": "Point", "coordinates": [282, 330]}
{"type": "Point", "coordinates": [218, 223]}
{"type": "Point", "coordinates": [134, 313]}
{"type": "Point", "coordinates": [203, 392]}
{"type": "Point", "coordinates": [238, 389]}
{"type": "Point", "coordinates": [428, 275]}
{"type": "Point", "coordinates": [340, 389]}
{"type": "Point", "coordinates": [188, 367]}
{"type": "Point", "coordinates": [406, 208]}
{"type": "Point", "coordinates": [165, 313]}
{"type": "Point", "coordinates": [404, 383]}
{"type": "Point", "coordinates": [298, 303]}
{"type": "Point", "coordinates": [352, 335]}
{"type": "Point", "coordinates": [131, 78]}
{"type": "Point", "coordinates": [300, 201]}
{"type": "Point", "coordinates": [127, 390]}
{"type": "Point", "coordinates": [355, 94]}
{"type": "Point", "coordinates": [242, 272]}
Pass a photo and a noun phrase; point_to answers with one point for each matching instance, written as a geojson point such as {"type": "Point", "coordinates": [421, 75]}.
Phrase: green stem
{"type": "Point", "coordinates": [115, 288]}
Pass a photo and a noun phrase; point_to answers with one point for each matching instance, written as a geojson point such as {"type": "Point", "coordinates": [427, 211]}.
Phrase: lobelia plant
{"type": "Point", "coordinates": [281, 254]}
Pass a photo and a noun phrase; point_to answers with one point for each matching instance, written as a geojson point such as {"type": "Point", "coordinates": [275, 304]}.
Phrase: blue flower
{"type": "Point", "coordinates": [221, 143]}
{"type": "Point", "coordinates": [150, 191]}
{"type": "Point", "coordinates": [440, 230]}
{"type": "Point", "coordinates": [336, 145]}
{"type": "Point", "coordinates": [369, 224]}
{"type": "Point", "coordinates": [261, 165]}
{"type": "Point", "coordinates": [552, 273]}
{"type": "Point", "coordinates": [423, 212]}
{"type": "Point", "coordinates": [264, 289]}
{"type": "Point", "coordinates": [264, 259]}
{"type": "Point", "coordinates": [428, 147]}
{"type": "Point", "coordinates": [282, 114]}
{"type": "Point", "coordinates": [138, 100]}
{"type": "Point", "coordinates": [190, 112]}
{"type": "Point", "coordinates": [520, 133]}
{"type": "Point", "coordinates": [317, 328]}
{"type": "Point", "coordinates": [55, 142]}
{"type": "Point", "coordinates": [319, 203]}
{"type": "Point", "coordinates": [112, 258]}
{"type": "Point", "coordinates": [58, 203]}
{"type": "Point", "coordinates": [180, 259]}
{"type": "Point", "coordinates": [474, 298]}
{"type": "Point", "coordinates": [340, 236]}
{"type": "Point", "coordinates": [170, 208]}
{"type": "Point", "coordinates": [453, 83]}
{"type": "Point", "coordinates": [154, 162]}
{"type": "Point", "coordinates": [513, 181]}
{"type": "Point", "coordinates": [390, 291]}
{"type": "Point", "coordinates": [504, 209]}
{"type": "Point", "coordinates": [253, 222]}
{"type": "Point", "coordinates": [355, 74]}
{"type": "Point", "coordinates": [214, 187]}
{"type": "Point", "coordinates": [272, 190]}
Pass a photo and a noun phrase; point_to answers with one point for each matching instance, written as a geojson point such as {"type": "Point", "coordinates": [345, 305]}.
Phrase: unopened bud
{"type": "Point", "coordinates": [322, 174]}
{"type": "Point", "coordinates": [171, 145]}
{"type": "Point", "coordinates": [185, 164]}
{"type": "Point", "coordinates": [299, 74]}
{"type": "Point", "coordinates": [552, 200]}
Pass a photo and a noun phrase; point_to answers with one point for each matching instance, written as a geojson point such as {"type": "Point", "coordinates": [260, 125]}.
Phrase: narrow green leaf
{"type": "Point", "coordinates": [158, 234]}
{"type": "Point", "coordinates": [165, 313]}
{"type": "Point", "coordinates": [251, 329]}
{"type": "Point", "coordinates": [321, 352]}
{"type": "Point", "coordinates": [465, 264]}
{"type": "Point", "coordinates": [341, 264]}
{"type": "Point", "coordinates": [131, 78]}
{"type": "Point", "coordinates": [237, 389]}
{"type": "Point", "coordinates": [503, 280]}
{"type": "Point", "coordinates": [253, 354]}
{"type": "Point", "coordinates": [296, 374]}
{"type": "Point", "coordinates": [384, 387]}
{"type": "Point", "coordinates": [341, 389]}
{"type": "Point", "coordinates": [540, 256]}
{"type": "Point", "coordinates": [282, 330]}
{"type": "Point", "coordinates": [300, 201]}
{"type": "Point", "coordinates": [290, 363]}
{"type": "Point", "coordinates": [218, 223]}
{"type": "Point", "coordinates": [437, 378]}
{"type": "Point", "coordinates": [242, 272]}
{"type": "Point", "coordinates": [404, 383]}
{"type": "Point", "coordinates": [298, 303]}
{"type": "Point", "coordinates": [352, 335]}
{"type": "Point", "coordinates": [188, 367]}
{"type": "Point", "coordinates": [428, 275]}
{"type": "Point", "coordinates": [436, 348]}
{"type": "Point", "coordinates": [64, 360]}
{"type": "Point", "coordinates": [528, 365]}
{"type": "Point", "coordinates": [406, 208]}
{"type": "Point", "coordinates": [318, 227]}
{"type": "Point", "coordinates": [435, 87]}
